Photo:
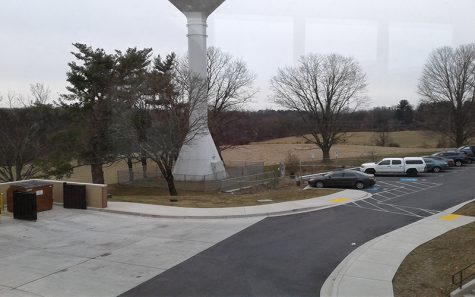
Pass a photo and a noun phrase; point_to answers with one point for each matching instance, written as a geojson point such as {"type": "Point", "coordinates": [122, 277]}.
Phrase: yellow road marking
{"type": "Point", "coordinates": [450, 217]}
{"type": "Point", "coordinates": [340, 200]}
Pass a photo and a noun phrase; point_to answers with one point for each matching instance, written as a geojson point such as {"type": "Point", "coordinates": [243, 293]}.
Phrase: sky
{"type": "Point", "coordinates": [391, 39]}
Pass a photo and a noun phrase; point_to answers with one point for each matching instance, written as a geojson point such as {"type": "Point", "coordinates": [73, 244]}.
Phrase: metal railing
{"type": "Point", "coordinates": [459, 279]}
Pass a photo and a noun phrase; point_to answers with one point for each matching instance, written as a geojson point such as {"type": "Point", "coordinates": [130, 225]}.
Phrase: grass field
{"type": "Point", "coordinates": [408, 139]}
{"type": "Point", "coordinates": [358, 145]}
{"type": "Point", "coordinates": [286, 192]}
{"type": "Point", "coordinates": [428, 269]}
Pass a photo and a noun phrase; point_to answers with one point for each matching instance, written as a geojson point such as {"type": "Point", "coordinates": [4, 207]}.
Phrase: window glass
{"type": "Point", "coordinates": [414, 162]}
{"type": "Point", "coordinates": [386, 162]}
{"type": "Point", "coordinates": [349, 174]}
{"type": "Point", "coordinates": [397, 162]}
{"type": "Point", "coordinates": [337, 174]}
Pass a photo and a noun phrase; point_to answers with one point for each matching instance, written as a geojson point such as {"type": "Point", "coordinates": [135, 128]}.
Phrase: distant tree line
{"type": "Point", "coordinates": [253, 126]}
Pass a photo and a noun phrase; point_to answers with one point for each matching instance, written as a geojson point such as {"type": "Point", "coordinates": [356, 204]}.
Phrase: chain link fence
{"type": "Point", "coordinates": [239, 175]}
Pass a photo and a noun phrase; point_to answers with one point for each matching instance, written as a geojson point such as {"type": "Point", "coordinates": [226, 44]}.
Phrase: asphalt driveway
{"type": "Point", "coordinates": [293, 255]}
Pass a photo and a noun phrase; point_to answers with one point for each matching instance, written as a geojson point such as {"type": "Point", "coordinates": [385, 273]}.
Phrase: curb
{"type": "Point", "coordinates": [332, 284]}
{"type": "Point", "coordinates": [291, 211]}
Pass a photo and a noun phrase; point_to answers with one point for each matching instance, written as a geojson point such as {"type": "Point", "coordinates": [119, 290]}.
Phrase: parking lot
{"type": "Point", "coordinates": [390, 192]}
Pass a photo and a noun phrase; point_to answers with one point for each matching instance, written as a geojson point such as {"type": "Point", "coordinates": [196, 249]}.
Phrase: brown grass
{"type": "Point", "coordinates": [408, 139]}
{"type": "Point", "coordinates": [275, 153]}
{"type": "Point", "coordinates": [427, 271]}
{"type": "Point", "coordinates": [357, 145]}
{"type": "Point", "coordinates": [467, 210]}
{"type": "Point", "coordinates": [159, 196]}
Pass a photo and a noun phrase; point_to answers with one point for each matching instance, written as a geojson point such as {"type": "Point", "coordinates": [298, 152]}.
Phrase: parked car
{"type": "Point", "coordinates": [459, 158]}
{"type": "Point", "coordinates": [343, 179]}
{"type": "Point", "coordinates": [434, 165]}
{"type": "Point", "coordinates": [411, 166]}
{"type": "Point", "coordinates": [450, 162]}
{"type": "Point", "coordinates": [470, 151]}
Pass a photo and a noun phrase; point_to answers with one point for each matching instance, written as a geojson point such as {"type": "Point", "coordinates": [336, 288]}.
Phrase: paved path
{"type": "Point", "coordinates": [346, 196]}
{"type": "Point", "coordinates": [369, 270]}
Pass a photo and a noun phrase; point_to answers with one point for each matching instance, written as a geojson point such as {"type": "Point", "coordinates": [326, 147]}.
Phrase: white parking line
{"type": "Point", "coordinates": [382, 210]}
{"type": "Point", "coordinates": [402, 190]}
{"type": "Point", "coordinates": [416, 215]}
{"type": "Point", "coordinates": [394, 190]}
{"type": "Point", "coordinates": [423, 189]}
{"type": "Point", "coordinates": [371, 204]}
{"type": "Point", "coordinates": [431, 211]}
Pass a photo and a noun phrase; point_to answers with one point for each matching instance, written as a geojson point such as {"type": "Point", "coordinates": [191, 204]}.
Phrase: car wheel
{"type": "Point", "coordinates": [436, 169]}
{"type": "Point", "coordinates": [370, 171]}
{"type": "Point", "coordinates": [360, 185]}
{"type": "Point", "coordinates": [412, 172]}
{"type": "Point", "coordinates": [458, 163]}
{"type": "Point", "coordinates": [319, 184]}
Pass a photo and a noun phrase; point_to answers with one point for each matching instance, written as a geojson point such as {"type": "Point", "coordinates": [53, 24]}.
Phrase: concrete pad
{"type": "Point", "coordinates": [383, 257]}
{"type": "Point", "coordinates": [157, 253]}
{"type": "Point", "coordinates": [8, 292]}
{"type": "Point", "coordinates": [390, 245]}
{"type": "Point", "coordinates": [359, 287]}
{"type": "Point", "coordinates": [91, 253]}
{"type": "Point", "coordinates": [371, 270]}
{"type": "Point", "coordinates": [409, 236]}
{"type": "Point", "coordinates": [28, 266]}
{"type": "Point", "coordinates": [90, 244]}
{"type": "Point", "coordinates": [93, 278]}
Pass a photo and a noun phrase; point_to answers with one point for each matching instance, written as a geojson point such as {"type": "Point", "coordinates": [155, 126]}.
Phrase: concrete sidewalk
{"type": "Point", "coordinates": [369, 270]}
{"type": "Point", "coordinates": [291, 207]}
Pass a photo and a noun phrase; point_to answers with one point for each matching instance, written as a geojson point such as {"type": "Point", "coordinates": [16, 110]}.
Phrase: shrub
{"type": "Point", "coordinates": [292, 163]}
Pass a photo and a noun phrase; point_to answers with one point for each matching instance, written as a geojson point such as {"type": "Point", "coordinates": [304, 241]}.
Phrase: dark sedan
{"type": "Point", "coordinates": [435, 165]}
{"type": "Point", "coordinates": [458, 157]}
{"type": "Point", "coordinates": [343, 179]}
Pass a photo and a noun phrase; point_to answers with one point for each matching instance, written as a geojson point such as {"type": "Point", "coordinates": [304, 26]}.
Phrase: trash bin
{"type": "Point", "coordinates": [24, 206]}
{"type": "Point", "coordinates": [42, 190]}
{"type": "Point", "coordinates": [74, 196]}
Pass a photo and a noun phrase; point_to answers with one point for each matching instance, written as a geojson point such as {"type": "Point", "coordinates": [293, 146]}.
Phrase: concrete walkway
{"type": "Point", "coordinates": [370, 269]}
{"type": "Point", "coordinates": [291, 207]}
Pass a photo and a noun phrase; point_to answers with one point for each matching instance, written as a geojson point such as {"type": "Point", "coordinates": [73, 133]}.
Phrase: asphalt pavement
{"type": "Point", "coordinates": [293, 255]}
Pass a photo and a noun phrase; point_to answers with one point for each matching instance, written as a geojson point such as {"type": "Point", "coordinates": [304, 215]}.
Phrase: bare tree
{"type": "Point", "coordinates": [230, 86]}
{"type": "Point", "coordinates": [26, 149]}
{"type": "Point", "coordinates": [448, 80]}
{"type": "Point", "coordinates": [173, 122]}
{"type": "Point", "coordinates": [41, 93]}
{"type": "Point", "coordinates": [382, 137]}
{"type": "Point", "coordinates": [322, 88]}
